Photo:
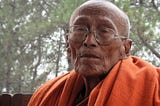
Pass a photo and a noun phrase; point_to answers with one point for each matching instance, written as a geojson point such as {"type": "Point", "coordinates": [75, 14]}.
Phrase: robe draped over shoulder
{"type": "Point", "coordinates": [131, 82]}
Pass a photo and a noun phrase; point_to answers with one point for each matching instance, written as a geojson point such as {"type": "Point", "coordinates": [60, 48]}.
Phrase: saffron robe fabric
{"type": "Point", "coordinates": [131, 82]}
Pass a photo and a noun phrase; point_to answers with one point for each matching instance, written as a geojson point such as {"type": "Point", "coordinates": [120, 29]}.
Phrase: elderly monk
{"type": "Point", "coordinates": [104, 74]}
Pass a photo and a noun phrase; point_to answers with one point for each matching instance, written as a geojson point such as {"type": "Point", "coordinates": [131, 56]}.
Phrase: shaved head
{"type": "Point", "coordinates": [119, 19]}
{"type": "Point", "coordinates": [95, 41]}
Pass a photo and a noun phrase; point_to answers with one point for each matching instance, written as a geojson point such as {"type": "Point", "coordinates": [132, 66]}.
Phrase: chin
{"type": "Point", "coordinates": [90, 70]}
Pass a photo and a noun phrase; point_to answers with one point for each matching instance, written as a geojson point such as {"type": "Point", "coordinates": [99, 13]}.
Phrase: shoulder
{"type": "Point", "coordinates": [54, 82]}
{"type": "Point", "coordinates": [43, 92]}
{"type": "Point", "coordinates": [140, 67]}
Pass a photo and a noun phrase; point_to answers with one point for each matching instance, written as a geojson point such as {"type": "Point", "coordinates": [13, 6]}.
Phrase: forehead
{"type": "Point", "coordinates": [106, 9]}
{"type": "Point", "coordinates": [98, 14]}
{"type": "Point", "coordinates": [95, 8]}
{"type": "Point", "coordinates": [93, 20]}
{"type": "Point", "coordinates": [84, 18]}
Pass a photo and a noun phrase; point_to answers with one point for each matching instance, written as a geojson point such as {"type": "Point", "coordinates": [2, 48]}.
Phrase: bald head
{"type": "Point", "coordinates": [105, 8]}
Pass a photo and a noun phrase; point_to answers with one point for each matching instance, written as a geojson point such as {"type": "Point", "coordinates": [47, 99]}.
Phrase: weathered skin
{"type": "Point", "coordinates": [90, 59]}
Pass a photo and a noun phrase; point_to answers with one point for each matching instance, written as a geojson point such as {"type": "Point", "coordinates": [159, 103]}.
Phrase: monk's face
{"type": "Point", "coordinates": [91, 54]}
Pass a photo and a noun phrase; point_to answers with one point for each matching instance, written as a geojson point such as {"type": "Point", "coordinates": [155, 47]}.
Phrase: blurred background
{"type": "Point", "coordinates": [32, 39]}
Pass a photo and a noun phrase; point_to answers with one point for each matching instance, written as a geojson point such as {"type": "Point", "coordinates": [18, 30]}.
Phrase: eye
{"type": "Point", "coordinates": [80, 28]}
{"type": "Point", "coordinates": [104, 30]}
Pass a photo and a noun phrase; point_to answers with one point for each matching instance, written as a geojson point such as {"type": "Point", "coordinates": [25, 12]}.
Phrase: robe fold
{"type": "Point", "coordinates": [131, 82]}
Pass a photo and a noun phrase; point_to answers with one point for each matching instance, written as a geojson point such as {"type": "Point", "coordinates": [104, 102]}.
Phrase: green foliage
{"type": "Point", "coordinates": [144, 28]}
{"type": "Point", "coordinates": [32, 45]}
{"type": "Point", "coordinates": [62, 11]}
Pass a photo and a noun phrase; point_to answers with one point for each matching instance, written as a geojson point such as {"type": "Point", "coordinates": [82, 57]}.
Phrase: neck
{"type": "Point", "coordinates": [91, 82]}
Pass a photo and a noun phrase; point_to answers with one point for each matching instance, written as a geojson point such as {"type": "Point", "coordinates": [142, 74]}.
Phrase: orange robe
{"type": "Point", "coordinates": [131, 82]}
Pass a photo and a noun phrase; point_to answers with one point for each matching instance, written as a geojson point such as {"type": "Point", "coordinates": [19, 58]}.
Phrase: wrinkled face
{"type": "Point", "coordinates": [88, 55]}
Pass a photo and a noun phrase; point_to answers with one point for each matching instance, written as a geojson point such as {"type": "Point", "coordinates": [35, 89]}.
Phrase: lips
{"type": "Point", "coordinates": [89, 56]}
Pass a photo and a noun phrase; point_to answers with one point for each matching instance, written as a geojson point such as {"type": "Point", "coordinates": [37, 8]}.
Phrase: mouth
{"type": "Point", "coordinates": [89, 56]}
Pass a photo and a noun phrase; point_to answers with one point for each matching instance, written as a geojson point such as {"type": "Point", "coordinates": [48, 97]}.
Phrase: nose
{"type": "Point", "coordinates": [90, 41]}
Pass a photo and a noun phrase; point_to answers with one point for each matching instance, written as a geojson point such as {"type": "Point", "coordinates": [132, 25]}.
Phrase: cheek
{"type": "Point", "coordinates": [111, 55]}
{"type": "Point", "coordinates": [108, 52]}
{"type": "Point", "coordinates": [74, 51]}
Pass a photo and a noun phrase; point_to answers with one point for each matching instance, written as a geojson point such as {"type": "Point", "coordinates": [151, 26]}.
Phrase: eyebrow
{"type": "Point", "coordinates": [107, 21]}
{"type": "Point", "coordinates": [81, 19]}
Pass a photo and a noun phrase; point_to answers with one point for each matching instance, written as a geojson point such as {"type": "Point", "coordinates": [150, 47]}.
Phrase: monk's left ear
{"type": "Point", "coordinates": [127, 45]}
